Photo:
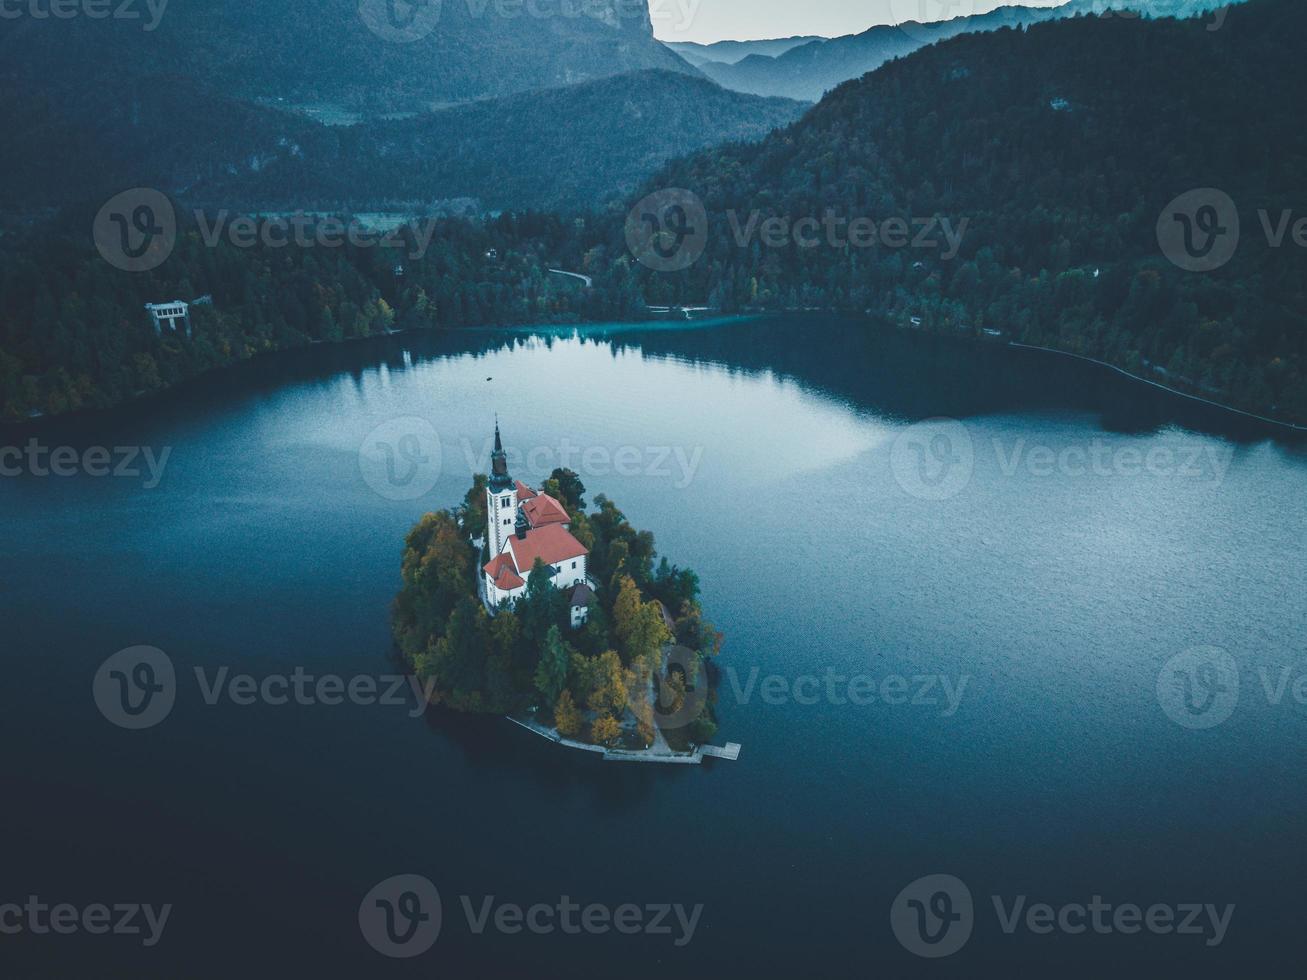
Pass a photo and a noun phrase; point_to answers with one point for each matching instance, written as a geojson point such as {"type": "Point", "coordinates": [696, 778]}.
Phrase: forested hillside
{"type": "Point", "coordinates": [1060, 147]}
{"type": "Point", "coordinates": [570, 147]}
{"type": "Point", "coordinates": [1055, 152]}
{"type": "Point", "coordinates": [74, 333]}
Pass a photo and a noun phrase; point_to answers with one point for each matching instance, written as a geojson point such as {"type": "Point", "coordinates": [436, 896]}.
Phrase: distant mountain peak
{"type": "Point", "coordinates": [809, 70]}
{"type": "Point", "coordinates": [357, 55]}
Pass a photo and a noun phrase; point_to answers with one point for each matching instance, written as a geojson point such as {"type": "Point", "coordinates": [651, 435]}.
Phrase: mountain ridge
{"type": "Point", "coordinates": [731, 52]}
{"type": "Point", "coordinates": [551, 149]}
{"type": "Point", "coordinates": [808, 71]}
{"type": "Point", "coordinates": [348, 53]}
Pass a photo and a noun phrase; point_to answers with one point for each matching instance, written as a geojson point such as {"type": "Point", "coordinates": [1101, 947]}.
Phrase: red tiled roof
{"type": "Point", "coordinates": [551, 544]}
{"type": "Point", "coordinates": [524, 492]}
{"type": "Point", "coordinates": [503, 574]}
{"type": "Point", "coordinates": [545, 510]}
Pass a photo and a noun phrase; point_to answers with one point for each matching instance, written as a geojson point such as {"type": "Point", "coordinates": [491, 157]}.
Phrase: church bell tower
{"type": "Point", "coordinates": [501, 500]}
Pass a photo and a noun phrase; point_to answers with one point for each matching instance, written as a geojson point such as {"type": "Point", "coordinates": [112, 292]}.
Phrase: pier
{"type": "Point", "coordinates": [663, 755]}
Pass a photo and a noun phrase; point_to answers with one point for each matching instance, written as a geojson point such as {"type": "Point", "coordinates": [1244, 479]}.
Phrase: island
{"type": "Point", "coordinates": [522, 602]}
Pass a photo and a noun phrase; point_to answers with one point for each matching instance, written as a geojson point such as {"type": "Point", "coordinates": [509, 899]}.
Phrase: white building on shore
{"type": "Point", "coordinates": [523, 525]}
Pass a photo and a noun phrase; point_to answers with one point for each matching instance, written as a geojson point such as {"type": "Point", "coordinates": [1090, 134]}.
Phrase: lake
{"type": "Point", "coordinates": [943, 648]}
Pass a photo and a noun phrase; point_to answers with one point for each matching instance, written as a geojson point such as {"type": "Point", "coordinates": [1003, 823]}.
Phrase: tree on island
{"type": "Point", "coordinates": [566, 486]}
{"type": "Point", "coordinates": [611, 685]}
{"type": "Point", "coordinates": [543, 607]}
{"type": "Point", "coordinates": [605, 731]}
{"type": "Point", "coordinates": [567, 719]}
{"type": "Point", "coordinates": [473, 511]}
{"type": "Point", "coordinates": [640, 627]}
{"type": "Point", "coordinates": [551, 672]}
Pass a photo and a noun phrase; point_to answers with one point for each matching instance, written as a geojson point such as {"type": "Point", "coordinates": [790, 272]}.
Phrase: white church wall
{"type": "Point", "coordinates": [501, 512]}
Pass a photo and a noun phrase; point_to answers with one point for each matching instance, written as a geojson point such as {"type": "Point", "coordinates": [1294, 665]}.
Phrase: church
{"type": "Point", "coordinates": [522, 525]}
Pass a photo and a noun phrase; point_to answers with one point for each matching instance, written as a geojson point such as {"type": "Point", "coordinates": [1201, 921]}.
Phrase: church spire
{"type": "Point", "coordinates": [499, 478]}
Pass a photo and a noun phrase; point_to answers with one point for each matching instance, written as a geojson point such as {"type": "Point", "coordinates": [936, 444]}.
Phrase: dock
{"type": "Point", "coordinates": [658, 753]}
{"type": "Point", "coordinates": [731, 751]}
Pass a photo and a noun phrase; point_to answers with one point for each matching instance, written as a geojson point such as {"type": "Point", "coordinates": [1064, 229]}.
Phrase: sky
{"type": "Point", "coordinates": [716, 20]}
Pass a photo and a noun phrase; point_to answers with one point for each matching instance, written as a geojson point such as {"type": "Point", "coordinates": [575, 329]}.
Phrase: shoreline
{"type": "Point", "coordinates": [1292, 427]}
{"type": "Point", "coordinates": [731, 751]}
{"type": "Point", "coordinates": [35, 423]}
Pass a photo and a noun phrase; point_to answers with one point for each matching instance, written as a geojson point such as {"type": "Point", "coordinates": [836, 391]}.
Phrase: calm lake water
{"type": "Point", "coordinates": [1045, 556]}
